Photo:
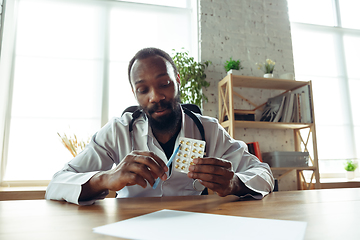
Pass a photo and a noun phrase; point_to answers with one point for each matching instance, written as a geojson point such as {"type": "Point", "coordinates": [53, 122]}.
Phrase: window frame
{"type": "Point", "coordinates": [339, 32]}
{"type": "Point", "coordinates": [191, 10]}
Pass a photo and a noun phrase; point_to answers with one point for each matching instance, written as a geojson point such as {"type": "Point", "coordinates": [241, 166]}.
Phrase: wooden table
{"type": "Point", "coordinates": [330, 213]}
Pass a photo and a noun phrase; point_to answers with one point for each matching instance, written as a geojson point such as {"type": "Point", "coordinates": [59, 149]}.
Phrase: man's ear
{"type": "Point", "coordinates": [178, 78]}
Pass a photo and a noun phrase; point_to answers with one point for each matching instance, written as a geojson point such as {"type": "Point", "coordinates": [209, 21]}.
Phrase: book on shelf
{"type": "Point", "coordinates": [297, 112]}
{"type": "Point", "coordinates": [254, 149]}
{"type": "Point", "coordinates": [303, 109]}
{"type": "Point", "coordinates": [305, 103]}
{"type": "Point", "coordinates": [273, 109]}
{"type": "Point", "coordinates": [280, 110]}
{"type": "Point", "coordinates": [293, 113]}
{"type": "Point", "coordinates": [291, 106]}
{"type": "Point", "coordinates": [242, 115]}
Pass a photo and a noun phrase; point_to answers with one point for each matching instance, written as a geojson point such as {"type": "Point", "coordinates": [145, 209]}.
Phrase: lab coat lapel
{"type": "Point", "coordinates": [153, 145]}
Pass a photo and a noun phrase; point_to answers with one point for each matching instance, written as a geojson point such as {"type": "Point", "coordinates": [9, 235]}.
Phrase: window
{"type": "Point", "coordinates": [326, 49]}
{"type": "Point", "coordinates": [70, 71]}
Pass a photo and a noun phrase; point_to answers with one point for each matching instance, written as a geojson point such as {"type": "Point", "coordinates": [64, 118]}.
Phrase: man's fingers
{"type": "Point", "coordinates": [210, 185]}
{"type": "Point", "coordinates": [134, 179]}
{"type": "Point", "coordinates": [213, 162]}
{"type": "Point", "coordinates": [210, 169]}
{"type": "Point", "coordinates": [154, 158]}
{"type": "Point", "coordinates": [144, 172]}
{"type": "Point", "coordinates": [138, 167]}
{"type": "Point", "coordinates": [221, 189]}
{"type": "Point", "coordinates": [218, 179]}
{"type": "Point", "coordinates": [163, 177]}
{"type": "Point", "coordinates": [152, 162]}
{"type": "Point", "coordinates": [213, 173]}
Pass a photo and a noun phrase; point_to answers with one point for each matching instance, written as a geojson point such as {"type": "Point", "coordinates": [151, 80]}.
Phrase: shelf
{"type": "Point", "coordinates": [267, 125]}
{"type": "Point", "coordinates": [227, 111]}
{"type": "Point", "coordinates": [264, 83]}
{"type": "Point", "coordinates": [294, 168]}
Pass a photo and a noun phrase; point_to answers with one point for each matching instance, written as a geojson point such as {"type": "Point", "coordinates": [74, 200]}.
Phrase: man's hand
{"type": "Point", "coordinates": [217, 175]}
{"type": "Point", "coordinates": [138, 167]}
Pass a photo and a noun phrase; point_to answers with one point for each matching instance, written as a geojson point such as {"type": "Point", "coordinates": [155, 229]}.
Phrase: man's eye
{"type": "Point", "coordinates": [142, 90]}
{"type": "Point", "coordinates": [166, 84]}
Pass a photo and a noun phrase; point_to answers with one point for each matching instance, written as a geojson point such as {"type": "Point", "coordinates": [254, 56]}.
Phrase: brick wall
{"type": "Point", "coordinates": [249, 30]}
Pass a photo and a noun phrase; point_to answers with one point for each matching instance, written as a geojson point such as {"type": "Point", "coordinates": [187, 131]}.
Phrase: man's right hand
{"type": "Point", "coordinates": [138, 167]}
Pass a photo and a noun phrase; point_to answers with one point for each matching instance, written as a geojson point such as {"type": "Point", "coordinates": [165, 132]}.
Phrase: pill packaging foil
{"type": "Point", "coordinates": [188, 151]}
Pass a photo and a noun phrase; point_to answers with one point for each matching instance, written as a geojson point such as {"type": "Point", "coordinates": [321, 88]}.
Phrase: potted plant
{"type": "Point", "coordinates": [233, 66]}
{"type": "Point", "coordinates": [350, 167]}
{"type": "Point", "coordinates": [267, 67]}
{"type": "Point", "coordinates": [192, 78]}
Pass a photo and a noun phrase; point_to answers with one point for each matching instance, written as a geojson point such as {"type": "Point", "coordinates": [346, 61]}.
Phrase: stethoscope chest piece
{"type": "Point", "coordinates": [198, 186]}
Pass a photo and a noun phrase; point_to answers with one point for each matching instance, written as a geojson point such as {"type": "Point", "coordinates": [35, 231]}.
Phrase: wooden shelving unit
{"type": "Point", "coordinates": [227, 117]}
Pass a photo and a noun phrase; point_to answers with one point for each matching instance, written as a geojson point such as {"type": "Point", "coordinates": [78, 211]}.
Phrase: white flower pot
{"type": "Point", "coordinates": [350, 175]}
{"type": "Point", "coordinates": [234, 72]}
{"type": "Point", "coordinates": [268, 75]}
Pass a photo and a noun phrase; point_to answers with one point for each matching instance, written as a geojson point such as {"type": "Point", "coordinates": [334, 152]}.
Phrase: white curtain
{"type": "Point", "coordinates": [6, 77]}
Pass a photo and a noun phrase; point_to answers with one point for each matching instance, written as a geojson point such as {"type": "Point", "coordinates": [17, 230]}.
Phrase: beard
{"type": "Point", "coordinates": [167, 123]}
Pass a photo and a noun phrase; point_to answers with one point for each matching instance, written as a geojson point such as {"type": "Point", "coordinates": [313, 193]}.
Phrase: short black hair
{"type": "Point", "coordinates": [150, 52]}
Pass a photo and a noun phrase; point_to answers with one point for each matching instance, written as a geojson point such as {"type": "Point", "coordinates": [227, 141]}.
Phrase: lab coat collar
{"type": "Point", "coordinates": [182, 131]}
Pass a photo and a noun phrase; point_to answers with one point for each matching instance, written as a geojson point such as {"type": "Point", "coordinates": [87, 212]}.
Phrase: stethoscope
{"type": "Point", "coordinates": [196, 183]}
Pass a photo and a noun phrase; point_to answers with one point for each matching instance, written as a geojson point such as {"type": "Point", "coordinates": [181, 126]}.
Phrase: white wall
{"type": "Point", "coordinates": [249, 30]}
{"type": "Point", "coordinates": [1, 17]}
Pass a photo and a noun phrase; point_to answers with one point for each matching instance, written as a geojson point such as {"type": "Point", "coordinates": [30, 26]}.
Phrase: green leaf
{"type": "Point", "coordinates": [350, 166]}
{"type": "Point", "coordinates": [192, 78]}
{"type": "Point", "coordinates": [232, 64]}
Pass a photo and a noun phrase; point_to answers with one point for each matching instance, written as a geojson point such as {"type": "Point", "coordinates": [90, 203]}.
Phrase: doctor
{"type": "Point", "coordinates": [130, 162]}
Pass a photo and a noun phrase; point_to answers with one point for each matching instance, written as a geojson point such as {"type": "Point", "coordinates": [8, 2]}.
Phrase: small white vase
{"type": "Point", "coordinates": [350, 175]}
{"type": "Point", "coordinates": [234, 72]}
{"type": "Point", "coordinates": [268, 75]}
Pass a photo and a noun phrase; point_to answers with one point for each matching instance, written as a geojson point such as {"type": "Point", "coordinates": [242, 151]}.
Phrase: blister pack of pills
{"type": "Point", "coordinates": [189, 150]}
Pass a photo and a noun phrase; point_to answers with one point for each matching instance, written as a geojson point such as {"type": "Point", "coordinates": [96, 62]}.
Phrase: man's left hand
{"type": "Point", "coordinates": [215, 174]}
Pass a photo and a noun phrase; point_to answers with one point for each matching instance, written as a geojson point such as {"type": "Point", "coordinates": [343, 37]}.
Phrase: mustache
{"type": "Point", "coordinates": [160, 105]}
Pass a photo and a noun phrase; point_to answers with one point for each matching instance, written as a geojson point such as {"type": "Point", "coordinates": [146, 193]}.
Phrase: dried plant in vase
{"type": "Point", "coordinates": [267, 67]}
{"type": "Point", "coordinates": [72, 143]}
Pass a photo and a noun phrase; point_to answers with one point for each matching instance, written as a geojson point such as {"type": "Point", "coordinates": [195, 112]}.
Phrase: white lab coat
{"type": "Point", "coordinates": [113, 142]}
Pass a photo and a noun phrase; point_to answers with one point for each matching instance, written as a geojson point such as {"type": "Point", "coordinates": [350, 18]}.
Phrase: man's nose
{"type": "Point", "coordinates": [156, 96]}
